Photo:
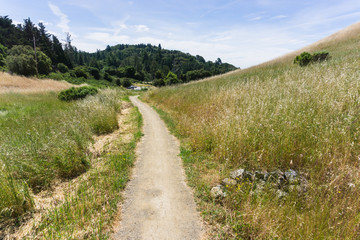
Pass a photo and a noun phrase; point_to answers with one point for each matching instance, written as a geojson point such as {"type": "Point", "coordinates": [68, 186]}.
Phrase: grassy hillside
{"type": "Point", "coordinates": [276, 116]}
{"type": "Point", "coordinates": [49, 173]}
{"type": "Point", "coordinates": [13, 83]}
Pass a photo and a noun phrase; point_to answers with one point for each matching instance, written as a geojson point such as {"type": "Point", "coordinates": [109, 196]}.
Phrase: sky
{"type": "Point", "coordinates": [241, 32]}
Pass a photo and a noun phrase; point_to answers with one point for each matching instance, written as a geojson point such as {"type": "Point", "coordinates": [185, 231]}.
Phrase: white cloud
{"type": "Point", "coordinates": [279, 17]}
{"type": "Point", "coordinates": [141, 28]}
{"type": "Point", "coordinates": [64, 21]}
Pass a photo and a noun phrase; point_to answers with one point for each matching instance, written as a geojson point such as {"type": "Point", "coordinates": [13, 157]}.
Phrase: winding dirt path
{"type": "Point", "coordinates": [159, 205]}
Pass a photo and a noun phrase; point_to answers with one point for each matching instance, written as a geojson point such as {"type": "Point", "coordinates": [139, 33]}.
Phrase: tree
{"type": "Point", "coordinates": [218, 61]}
{"type": "Point", "coordinates": [2, 56]}
{"type": "Point", "coordinates": [171, 79]}
{"type": "Point", "coordinates": [62, 68]}
{"type": "Point", "coordinates": [21, 60]}
{"type": "Point", "coordinates": [44, 63]}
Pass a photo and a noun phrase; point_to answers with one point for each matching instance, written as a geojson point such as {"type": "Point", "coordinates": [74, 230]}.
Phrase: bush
{"type": "Point", "coordinates": [62, 68]}
{"type": "Point", "coordinates": [159, 83]}
{"type": "Point", "coordinates": [44, 63]}
{"type": "Point", "coordinates": [2, 56]}
{"type": "Point", "coordinates": [171, 79]}
{"type": "Point", "coordinates": [95, 72]}
{"type": "Point", "coordinates": [320, 56]}
{"type": "Point", "coordinates": [108, 77]}
{"type": "Point", "coordinates": [77, 93]}
{"type": "Point", "coordinates": [125, 82]}
{"type": "Point", "coordinates": [303, 59]}
{"type": "Point", "coordinates": [21, 60]}
{"type": "Point", "coordinates": [306, 58]}
{"type": "Point", "coordinates": [80, 72]}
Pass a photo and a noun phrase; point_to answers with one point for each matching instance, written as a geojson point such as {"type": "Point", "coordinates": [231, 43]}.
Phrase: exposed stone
{"type": "Point", "coordinates": [217, 192]}
{"type": "Point", "coordinates": [295, 188]}
{"type": "Point", "coordinates": [228, 182]}
{"type": "Point", "coordinates": [260, 175]}
{"type": "Point", "coordinates": [248, 176]}
{"type": "Point", "coordinates": [281, 194]}
{"type": "Point", "coordinates": [291, 176]}
{"type": "Point", "coordinates": [237, 174]}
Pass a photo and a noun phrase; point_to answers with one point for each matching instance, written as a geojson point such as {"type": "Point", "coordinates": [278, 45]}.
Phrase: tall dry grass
{"type": "Point", "coordinates": [18, 84]}
{"type": "Point", "coordinates": [277, 116]}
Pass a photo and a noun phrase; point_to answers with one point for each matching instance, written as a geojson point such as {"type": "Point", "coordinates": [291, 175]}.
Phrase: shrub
{"type": "Point", "coordinates": [125, 82]}
{"type": "Point", "coordinates": [303, 59]}
{"type": "Point", "coordinates": [108, 77]}
{"type": "Point", "coordinates": [44, 63]}
{"type": "Point", "coordinates": [21, 60]}
{"type": "Point", "coordinates": [77, 93]}
{"type": "Point", "coordinates": [159, 83]}
{"type": "Point", "coordinates": [62, 68]}
{"type": "Point", "coordinates": [2, 55]}
{"type": "Point", "coordinates": [306, 58]}
{"type": "Point", "coordinates": [171, 79]}
{"type": "Point", "coordinates": [320, 56]}
{"type": "Point", "coordinates": [80, 72]}
{"type": "Point", "coordinates": [94, 72]}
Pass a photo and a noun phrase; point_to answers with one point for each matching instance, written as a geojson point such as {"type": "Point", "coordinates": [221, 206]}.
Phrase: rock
{"type": "Point", "coordinates": [281, 194]}
{"type": "Point", "coordinates": [259, 175]}
{"type": "Point", "coordinates": [277, 177]}
{"type": "Point", "coordinates": [291, 176]}
{"type": "Point", "coordinates": [228, 182]}
{"type": "Point", "coordinates": [247, 175]}
{"type": "Point", "coordinates": [217, 192]}
{"type": "Point", "coordinates": [295, 188]}
{"type": "Point", "coordinates": [237, 174]}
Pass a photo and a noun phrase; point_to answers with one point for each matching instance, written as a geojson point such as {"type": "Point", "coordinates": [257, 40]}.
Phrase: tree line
{"type": "Point", "coordinates": [30, 50]}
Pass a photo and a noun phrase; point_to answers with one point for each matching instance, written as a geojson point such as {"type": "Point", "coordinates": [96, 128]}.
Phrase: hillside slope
{"type": "Point", "coordinates": [276, 116]}
{"type": "Point", "coordinates": [13, 83]}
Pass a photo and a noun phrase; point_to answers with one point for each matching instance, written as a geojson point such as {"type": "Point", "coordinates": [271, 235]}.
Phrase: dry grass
{"type": "Point", "coordinates": [277, 116]}
{"type": "Point", "coordinates": [17, 84]}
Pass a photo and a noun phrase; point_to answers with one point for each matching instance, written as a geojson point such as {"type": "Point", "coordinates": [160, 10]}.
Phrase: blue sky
{"type": "Point", "coordinates": [241, 32]}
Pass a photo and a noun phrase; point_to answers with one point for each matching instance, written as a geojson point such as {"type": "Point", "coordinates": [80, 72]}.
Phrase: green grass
{"type": "Point", "coordinates": [89, 213]}
{"type": "Point", "coordinates": [275, 116]}
{"type": "Point", "coordinates": [43, 139]}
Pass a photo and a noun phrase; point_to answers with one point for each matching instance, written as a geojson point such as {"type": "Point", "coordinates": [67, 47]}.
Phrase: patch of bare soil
{"type": "Point", "coordinates": [159, 204]}
{"type": "Point", "coordinates": [51, 198]}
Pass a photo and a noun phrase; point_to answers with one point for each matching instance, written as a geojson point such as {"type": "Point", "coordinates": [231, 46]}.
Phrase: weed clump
{"type": "Point", "coordinates": [77, 93]}
{"type": "Point", "coordinates": [306, 58]}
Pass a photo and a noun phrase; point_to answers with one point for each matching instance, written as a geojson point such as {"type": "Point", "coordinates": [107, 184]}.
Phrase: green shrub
{"type": "Point", "coordinates": [77, 93]}
{"type": "Point", "coordinates": [44, 63]}
{"type": "Point", "coordinates": [159, 83]}
{"type": "Point", "coordinates": [80, 72]}
{"type": "Point", "coordinates": [126, 82]}
{"type": "Point", "coordinates": [306, 58]}
{"type": "Point", "coordinates": [94, 72]}
{"type": "Point", "coordinates": [62, 68]}
{"type": "Point", "coordinates": [320, 56]}
{"type": "Point", "coordinates": [3, 50]}
{"type": "Point", "coordinates": [171, 79]}
{"type": "Point", "coordinates": [21, 60]}
{"type": "Point", "coordinates": [303, 59]}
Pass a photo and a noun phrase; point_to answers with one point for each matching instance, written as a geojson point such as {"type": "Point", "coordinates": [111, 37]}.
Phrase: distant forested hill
{"type": "Point", "coordinates": [116, 65]}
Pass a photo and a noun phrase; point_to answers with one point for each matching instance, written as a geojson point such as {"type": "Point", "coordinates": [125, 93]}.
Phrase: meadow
{"type": "Point", "coordinates": [44, 141]}
{"type": "Point", "coordinates": [275, 116]}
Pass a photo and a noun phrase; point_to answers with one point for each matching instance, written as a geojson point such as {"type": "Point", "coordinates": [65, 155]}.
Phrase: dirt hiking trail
{"type": "Point", "coordinates": [159, 205]}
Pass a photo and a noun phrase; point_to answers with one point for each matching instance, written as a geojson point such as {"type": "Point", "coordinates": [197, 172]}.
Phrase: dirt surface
{"type": "Point", "coordinates": [159, 204]}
